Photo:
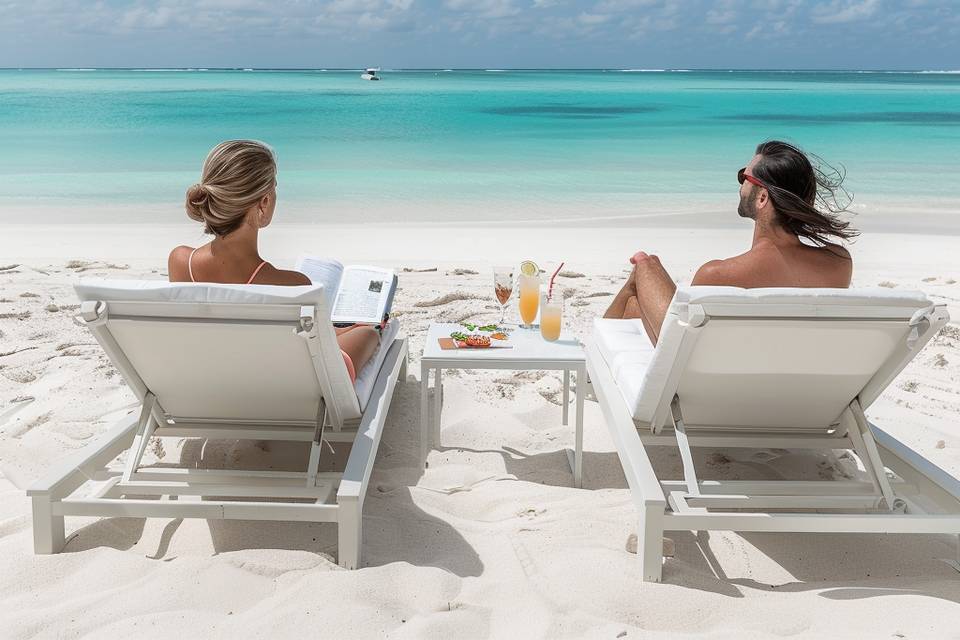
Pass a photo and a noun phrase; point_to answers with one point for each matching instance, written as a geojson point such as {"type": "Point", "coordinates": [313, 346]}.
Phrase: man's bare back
{"type": "Point", "coordinates": [778, 190]}
{"type": "Point", "coordinates": [769, 264]}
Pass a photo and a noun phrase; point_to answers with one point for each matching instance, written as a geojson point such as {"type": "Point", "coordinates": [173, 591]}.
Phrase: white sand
{"type": "Point", "coordinates": [516, 553]}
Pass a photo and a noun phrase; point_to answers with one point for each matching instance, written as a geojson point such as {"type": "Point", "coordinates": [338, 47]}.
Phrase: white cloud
{"type": "Point", "coordinates": [843, 11]}
{"type": "Point", "coordinates": [484, 8]}
{"type": "Point", "coordinates": [590, 19]}
{"type": "Point", "coordinates": [144, 18]}
{"type": "Point", "coordinates": [717, 16]}
{"type": "Point", "coordinates": [608, 6]}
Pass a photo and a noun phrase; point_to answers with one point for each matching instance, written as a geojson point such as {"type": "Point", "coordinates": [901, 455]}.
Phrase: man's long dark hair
{"type": "Point", "coordinates": [804, 194]}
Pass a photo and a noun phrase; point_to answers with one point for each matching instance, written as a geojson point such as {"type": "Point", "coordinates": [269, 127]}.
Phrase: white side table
{"type": "Point", "coordinates": [530, 352]}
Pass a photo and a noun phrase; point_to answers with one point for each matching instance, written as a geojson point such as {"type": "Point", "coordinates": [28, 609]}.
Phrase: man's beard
{"type": "Point", "coordinates": [748, 206]}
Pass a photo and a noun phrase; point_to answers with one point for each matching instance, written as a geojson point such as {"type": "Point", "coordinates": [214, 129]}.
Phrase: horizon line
{"type": "Point", "coordinates": [488, 69]}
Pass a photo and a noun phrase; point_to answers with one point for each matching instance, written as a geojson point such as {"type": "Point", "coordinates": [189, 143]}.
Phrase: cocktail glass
{"type": "Point", "coordinates": [551, 314]}
{"type": "Point", "coordinates": [529, 298]}
{"type": "Point", "coordinates": [503, 288]}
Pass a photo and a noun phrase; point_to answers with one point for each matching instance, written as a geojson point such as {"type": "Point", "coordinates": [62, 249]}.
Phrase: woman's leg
{"type": "Point", "coordinates": [359, 343]}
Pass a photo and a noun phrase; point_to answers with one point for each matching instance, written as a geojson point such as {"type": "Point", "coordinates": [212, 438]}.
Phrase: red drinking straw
{"type": "Point", "coordinates": [550, 288]}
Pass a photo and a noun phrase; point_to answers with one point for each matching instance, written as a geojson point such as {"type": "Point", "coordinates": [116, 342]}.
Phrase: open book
{"type": "Point", "coordinates": [361, 294]}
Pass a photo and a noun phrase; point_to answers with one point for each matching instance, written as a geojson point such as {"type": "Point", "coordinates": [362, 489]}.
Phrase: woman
{"type": "Point", "coordinates": [235, 198]}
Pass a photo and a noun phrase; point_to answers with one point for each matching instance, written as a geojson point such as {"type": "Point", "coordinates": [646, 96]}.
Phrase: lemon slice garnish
{"type": "Point", "coordinates": [529, 268]}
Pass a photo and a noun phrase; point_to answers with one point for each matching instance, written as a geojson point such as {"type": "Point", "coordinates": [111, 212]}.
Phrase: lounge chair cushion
{"type": "Point", "coordinates": [160, 291]}
{"type": "Point", "coordinates": [870, 296]}
{"type": "Point", "coordinates": [368, 375]}
{"type": "Point", "coordinates": [628, 351]}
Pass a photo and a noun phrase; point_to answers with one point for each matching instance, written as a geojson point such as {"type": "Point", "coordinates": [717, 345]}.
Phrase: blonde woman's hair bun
{"type": "Point", "coordinates": [196, 202]}
{"type": "Point", "coordinates": [236, 175]}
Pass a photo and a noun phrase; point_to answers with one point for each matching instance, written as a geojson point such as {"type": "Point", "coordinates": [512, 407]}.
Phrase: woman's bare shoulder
{"type": "Point", "coordinates": [271, 275]}
{"type": "Point", "coordinates": [177, 263]}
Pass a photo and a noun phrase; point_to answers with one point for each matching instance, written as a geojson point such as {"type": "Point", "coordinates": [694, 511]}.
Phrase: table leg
{"type": "Point", "coordinates": [437, 405]}
{"type": "Point", "coordinates": [566, 396]}
{"type": "Point", "coordinates": [578, 444]}
{"type": "Point", "coordinates": [424, 414]}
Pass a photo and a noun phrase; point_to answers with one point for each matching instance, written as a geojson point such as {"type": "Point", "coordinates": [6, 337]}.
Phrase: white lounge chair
{"type": "Point", "coordinates": [224, 362]}
{"type": "Point", "coordinates": [785, 368]}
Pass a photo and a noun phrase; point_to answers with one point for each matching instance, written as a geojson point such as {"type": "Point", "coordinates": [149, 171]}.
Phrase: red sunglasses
{"type": "Point", "coordinates": [743, 175]}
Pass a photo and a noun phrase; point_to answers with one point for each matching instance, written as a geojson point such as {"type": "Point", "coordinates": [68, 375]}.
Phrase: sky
{"type": "Point", "coordinates": [651, 34]}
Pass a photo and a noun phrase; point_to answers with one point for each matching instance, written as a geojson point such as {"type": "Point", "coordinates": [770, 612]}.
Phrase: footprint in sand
{"type": "Point", "coordinates": [571, 274]}
{"type": "Point", "coordinates": [23, 315]}
{"type": "Point", "coordinates": [887, 284]}
{"type": "Point", "coordinates": [456, 296]}
{"type": "Point", "coordinates": [8, 267]}
{"type": "Point", "coordinates": [23, 377]}
{"type": "Point", "coordinates": [930, 279]}
{"type": "Point", "coordinates": [29, 294]}
{"type": "Point", "coordinates": [16, 350]}
{"type": "Point", "coordinates": [462, 272]}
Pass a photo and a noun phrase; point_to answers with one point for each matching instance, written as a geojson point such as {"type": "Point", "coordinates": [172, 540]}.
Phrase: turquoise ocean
{"type": "Point", "coordinates": [478, 145]}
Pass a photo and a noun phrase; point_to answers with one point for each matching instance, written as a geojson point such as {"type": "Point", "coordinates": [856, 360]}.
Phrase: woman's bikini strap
{"type": "Point", "coordinates": [190, 268]}
{"type": "Point", "coordinates": [190, 264]}
{"type": "Point", "coordinates": [256, 271]}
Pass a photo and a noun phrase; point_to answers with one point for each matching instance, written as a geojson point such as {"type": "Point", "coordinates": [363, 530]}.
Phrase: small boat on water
{"type": "Point", "coordinates": [370, 74]}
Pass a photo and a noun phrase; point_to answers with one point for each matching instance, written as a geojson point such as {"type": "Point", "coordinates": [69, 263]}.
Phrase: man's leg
{"type": "Point", "coordinates": [655, 290]}
{"type": "Point", "coordinates": [618, 308]}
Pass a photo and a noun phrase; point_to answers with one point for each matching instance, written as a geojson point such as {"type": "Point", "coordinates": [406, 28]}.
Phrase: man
{"type": "Point", "coordinates": [779, 191]}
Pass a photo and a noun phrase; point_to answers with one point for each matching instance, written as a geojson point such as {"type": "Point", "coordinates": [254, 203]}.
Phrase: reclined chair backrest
{"type": "Point", "coordinates": [223, 352]}
{"type": "Point", "coordinates": [780, 358]}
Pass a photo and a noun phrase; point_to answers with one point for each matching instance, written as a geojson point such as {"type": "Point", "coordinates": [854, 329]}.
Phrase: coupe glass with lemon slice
{"type": "Point", "coordinates": [529, 285]}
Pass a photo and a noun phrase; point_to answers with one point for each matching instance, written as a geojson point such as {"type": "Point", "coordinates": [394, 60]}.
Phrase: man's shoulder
{"type": "Point", "coordinates": [729, 271]}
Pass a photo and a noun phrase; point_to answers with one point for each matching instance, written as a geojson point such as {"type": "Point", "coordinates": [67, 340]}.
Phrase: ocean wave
{"type": "Point", "coordinates": [76, 69]}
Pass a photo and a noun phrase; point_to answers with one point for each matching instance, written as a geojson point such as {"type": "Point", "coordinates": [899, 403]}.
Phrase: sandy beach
{"type": "Point", "coordinates": [492, 540]}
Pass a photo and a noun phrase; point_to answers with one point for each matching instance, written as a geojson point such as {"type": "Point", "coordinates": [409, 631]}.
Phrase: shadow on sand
{"type": "Point", "coordinates": [394, 528]}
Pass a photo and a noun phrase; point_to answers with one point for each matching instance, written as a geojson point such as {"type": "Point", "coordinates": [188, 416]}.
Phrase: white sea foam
{"type": "Point", "coordinates": [76, 69]}
{"type": "Point", "coordinates": [495, 70]}
{"type": "Point", "coordinates": [643, 70]}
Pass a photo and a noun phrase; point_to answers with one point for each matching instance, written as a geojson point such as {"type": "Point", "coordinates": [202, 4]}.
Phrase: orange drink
{"type": "Point", "coordinates": [529, 298]}
{"type": "Point", "coordinates": [551, 315]}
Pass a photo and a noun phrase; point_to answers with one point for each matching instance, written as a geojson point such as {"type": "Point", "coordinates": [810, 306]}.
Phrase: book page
{"type": "Point", "coordinates": [321, 271]}
{"type": "Point", "coordinates": [364, 295]}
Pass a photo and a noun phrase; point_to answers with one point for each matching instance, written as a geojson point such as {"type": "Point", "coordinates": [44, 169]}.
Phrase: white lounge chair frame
{"type": "Point", "coordinates": [84, 484]}
{"type": "Point", "coordinates": [905, 493]}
